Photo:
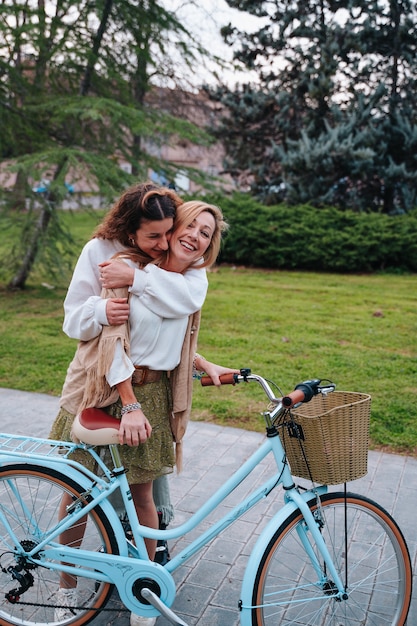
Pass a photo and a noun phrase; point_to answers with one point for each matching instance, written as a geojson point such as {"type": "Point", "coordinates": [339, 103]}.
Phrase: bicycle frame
{"type": "Point", "coordinates": [123, 570]}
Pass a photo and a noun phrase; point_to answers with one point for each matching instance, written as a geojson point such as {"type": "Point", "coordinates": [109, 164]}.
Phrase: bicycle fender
{"type": "Point", "coordinates": [84, 481]}
{"type": "Point", "coordinates": [68, 471]}
{"type": "Point", "coordinates": [258, 551]}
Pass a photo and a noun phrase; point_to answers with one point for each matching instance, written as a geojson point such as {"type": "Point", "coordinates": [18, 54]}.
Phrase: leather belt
{"type": "Point", "coordinates": [143, 375]}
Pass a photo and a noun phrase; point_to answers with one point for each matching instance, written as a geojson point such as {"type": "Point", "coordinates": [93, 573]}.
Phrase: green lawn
{"type": "Point", "coordinates": [359, 331]}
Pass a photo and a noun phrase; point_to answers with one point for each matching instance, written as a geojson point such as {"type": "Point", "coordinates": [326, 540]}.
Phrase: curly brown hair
{"type": "Point", "coordinates": [141, 202]}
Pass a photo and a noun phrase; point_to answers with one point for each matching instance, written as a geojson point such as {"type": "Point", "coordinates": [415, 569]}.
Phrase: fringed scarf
{"type": "Point", "coordinates": [86, 384]}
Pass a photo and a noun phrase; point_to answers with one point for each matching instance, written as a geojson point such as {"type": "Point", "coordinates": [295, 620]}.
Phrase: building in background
{"type": "Point", "coordinates": [208, 159]}
{"type": "Point", "coordinates": [185, 155]}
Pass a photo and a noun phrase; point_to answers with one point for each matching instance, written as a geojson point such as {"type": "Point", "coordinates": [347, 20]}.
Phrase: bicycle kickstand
{"type": "Point", "coordinates": [153, 599]}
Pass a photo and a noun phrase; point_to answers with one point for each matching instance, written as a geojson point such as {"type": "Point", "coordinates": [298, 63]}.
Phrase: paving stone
{"type": "Point", "coordinates": [209, 583]}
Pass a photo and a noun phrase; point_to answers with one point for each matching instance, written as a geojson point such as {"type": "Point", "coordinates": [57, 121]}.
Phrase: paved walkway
{"type": "Point", "coordinates": [209, 585]}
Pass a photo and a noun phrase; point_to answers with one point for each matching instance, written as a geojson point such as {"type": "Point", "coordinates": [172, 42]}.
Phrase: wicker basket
{"type": "Point", "coordinates": [326, 439]}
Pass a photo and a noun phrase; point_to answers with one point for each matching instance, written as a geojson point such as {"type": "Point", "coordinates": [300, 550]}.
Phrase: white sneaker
{"type": "Point", "coordinates": [137, 620]}
{"type": "Point", "coordinates": [66, 598]}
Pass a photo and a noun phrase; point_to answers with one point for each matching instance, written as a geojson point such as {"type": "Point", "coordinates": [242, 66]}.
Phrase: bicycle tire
{"type": "Point", "coordinates": [30, 497]}
{"type": "Point", "coordinates": [287, 589]}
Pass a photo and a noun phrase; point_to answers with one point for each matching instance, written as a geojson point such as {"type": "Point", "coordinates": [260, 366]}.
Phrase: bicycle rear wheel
{"type": "Point", "coordinates": [371, 558]}
{"type": "Point", "coordinates": [30, 500]}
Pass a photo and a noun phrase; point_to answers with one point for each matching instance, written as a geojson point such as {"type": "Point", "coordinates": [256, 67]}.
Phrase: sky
{"type": "Point", "coordinates": [204, 18]}
{"type": "Point", "coordinates": [209, 15]}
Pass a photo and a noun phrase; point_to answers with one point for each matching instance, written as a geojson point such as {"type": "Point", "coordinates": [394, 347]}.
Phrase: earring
{"type": "Point", "coordinates": [132, 241]}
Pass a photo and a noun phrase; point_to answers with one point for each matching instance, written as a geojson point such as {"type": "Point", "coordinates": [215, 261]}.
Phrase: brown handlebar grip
{"type": "Point", "coordinates": [292, 398]}
{"type": "Point", "coordinates": [225, 379]}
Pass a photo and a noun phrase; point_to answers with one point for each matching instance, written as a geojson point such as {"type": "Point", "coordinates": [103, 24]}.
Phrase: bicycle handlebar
{"type": "Point", "coordinates": [225, 379]}
{"type": "Point", "coordinates": [303, 392]}
{"type": "Point", "coordinates": [295, 397]}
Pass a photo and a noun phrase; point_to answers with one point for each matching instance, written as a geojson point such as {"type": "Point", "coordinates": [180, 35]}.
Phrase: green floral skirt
{"type": "Point", "coordinates": [148, 460]}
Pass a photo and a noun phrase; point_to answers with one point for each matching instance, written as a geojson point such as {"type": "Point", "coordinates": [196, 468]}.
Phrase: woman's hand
{"type": "Point", "coordinates": [213, 370]}
{"type": "Point", "coordinates": [117, 311]}
{"type": "Point", "coordinates": [134, 428]}
{"type": "Point", "coordinates": [115, 273]}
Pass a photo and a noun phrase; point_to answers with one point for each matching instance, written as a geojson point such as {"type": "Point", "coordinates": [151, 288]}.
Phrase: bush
{"type": "Point", "coordinates": [308, 238]}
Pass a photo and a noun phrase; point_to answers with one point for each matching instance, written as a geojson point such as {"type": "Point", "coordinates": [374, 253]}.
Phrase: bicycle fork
{"type": "Point", "coordinates": [328, 577]}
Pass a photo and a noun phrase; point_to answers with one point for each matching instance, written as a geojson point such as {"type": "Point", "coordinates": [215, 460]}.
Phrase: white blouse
{"type": "Point", "coordinates": [155, 341]}
{"type": "Point", "coordinates": [168, 295]}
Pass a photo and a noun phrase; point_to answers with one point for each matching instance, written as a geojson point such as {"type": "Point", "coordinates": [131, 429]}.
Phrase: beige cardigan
{"type": "Point", "coordinates": [86, 385]}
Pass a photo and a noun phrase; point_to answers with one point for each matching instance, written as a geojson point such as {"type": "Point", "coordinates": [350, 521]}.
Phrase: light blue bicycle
{"type": "Point", "coordinates": [324, 558]}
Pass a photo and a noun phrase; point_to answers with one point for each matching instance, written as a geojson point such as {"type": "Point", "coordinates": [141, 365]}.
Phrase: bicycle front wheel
{"type": "Point", "coordinates": [371, 558]}
{"type": "Point", "coordinates": [31, 504]}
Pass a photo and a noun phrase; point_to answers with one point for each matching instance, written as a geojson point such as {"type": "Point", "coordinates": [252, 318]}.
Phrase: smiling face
{"type": "Point", "coordinates": [190, 242]}
{"type": "Point", "coordinates": [153, 236]}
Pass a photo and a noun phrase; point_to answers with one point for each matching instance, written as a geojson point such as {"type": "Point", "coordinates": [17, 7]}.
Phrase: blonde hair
{"type": "Point", "coordinates": [188, 212]}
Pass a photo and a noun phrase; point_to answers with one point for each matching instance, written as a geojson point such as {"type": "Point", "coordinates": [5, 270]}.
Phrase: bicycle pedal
{"type": "Point", "coordinates": [153, 599]}
{"type": "Point", "coordinates": [162, 555]}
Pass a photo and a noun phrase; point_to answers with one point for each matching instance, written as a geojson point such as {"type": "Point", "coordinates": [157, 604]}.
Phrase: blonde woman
{"type": "Point", "coordinates": [160, 350]}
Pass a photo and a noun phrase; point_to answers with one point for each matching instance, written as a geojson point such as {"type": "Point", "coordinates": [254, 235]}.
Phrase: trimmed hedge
{"type": "Point", "coordinates": [308, 238]}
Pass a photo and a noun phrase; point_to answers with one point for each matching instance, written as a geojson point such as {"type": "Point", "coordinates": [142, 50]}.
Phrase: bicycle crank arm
{"type": "Point", "coordinates": [153, 599]}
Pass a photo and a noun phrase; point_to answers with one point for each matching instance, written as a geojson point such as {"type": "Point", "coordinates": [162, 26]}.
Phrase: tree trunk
{"type": "Point", "coordinates": [19, 280]}
{"type": "Point", "coordinates": [86, 81]}
{"type": "Point", "coordinates": [18, 194]}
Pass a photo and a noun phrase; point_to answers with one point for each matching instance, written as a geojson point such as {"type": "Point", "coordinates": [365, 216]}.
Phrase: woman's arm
{"type": "Point", "coordinates": [85, 311]}
{"type": "Point", "coordinates": [212, 369]}
{"type": "Point", "coordinates": [134, 426]}
{"type": "Point", "coordinates": [166, 293]}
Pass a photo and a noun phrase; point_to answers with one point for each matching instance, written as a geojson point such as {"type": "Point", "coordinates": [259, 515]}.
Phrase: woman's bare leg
{"type": "Point", "coordinates": [71, 537]}
{"type": "Point", "coordinates": [146, 511]}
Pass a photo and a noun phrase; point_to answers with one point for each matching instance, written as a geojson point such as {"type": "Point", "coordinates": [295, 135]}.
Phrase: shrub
{"type": "Point", "coordinates": [316, 239]}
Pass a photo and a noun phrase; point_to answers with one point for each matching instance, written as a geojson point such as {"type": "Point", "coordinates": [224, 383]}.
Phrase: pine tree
{"type": "Point", "coordinates": [74, 78]}
{"type": "Point", "coordinates": [333, 104]}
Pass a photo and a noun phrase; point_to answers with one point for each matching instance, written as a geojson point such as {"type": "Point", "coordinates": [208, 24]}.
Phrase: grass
{"type": "Point", "coordinates": [357, 330]}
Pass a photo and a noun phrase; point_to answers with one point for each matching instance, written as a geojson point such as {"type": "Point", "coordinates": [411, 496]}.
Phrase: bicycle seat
{"type": "Point", "coordinates": [96, 427]}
